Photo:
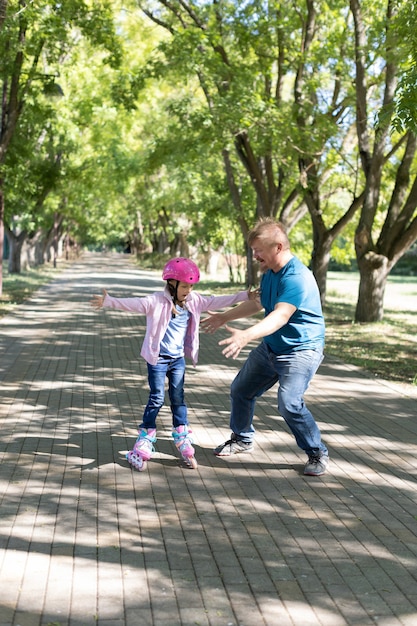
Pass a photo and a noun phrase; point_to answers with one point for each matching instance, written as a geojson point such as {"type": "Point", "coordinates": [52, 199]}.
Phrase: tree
{"type": "Point", "coordinates": [32, 168]}
{"type": "Point", "coordinates": [298, 115]}
{"type": "Point", "coordinates": [279, 115]}
{"type": "Point", "coordinates": [388, 222]}
{"type": "Point", "coordinates": [33, 41]}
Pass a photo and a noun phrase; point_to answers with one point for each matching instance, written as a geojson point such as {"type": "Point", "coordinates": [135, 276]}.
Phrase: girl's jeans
{"type": "Point", "coordinates": [174, 370]}
{"type": "Point", "coordinates": [294, 372]}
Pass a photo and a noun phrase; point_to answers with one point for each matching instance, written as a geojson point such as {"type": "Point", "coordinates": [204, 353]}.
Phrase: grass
{"type": "Point", "coordinates": [387, 349]}
{"type": "Point", "coordinates": [18, 287]}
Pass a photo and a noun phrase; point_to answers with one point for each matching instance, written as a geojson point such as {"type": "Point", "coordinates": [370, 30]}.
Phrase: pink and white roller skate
{"type": "Point", "coordinates": [183, 443]}
{"type": "Point", "coordinates": [143, 449]}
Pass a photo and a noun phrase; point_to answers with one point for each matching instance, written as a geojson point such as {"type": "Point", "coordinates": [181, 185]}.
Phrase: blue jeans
{"type": "Point", "coordinates": [294, 372]}
{"type": "Point", "coordinates": [174, 370]}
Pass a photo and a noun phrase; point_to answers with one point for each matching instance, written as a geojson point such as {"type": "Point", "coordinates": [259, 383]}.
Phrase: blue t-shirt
{"type": "Point", "coordinates": [296, 285]}
{"type": "Point", "coordinates": [172, 343]}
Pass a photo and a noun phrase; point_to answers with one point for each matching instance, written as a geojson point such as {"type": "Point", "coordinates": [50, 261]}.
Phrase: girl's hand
{"type": "Point", "coordinates": [254, 294]}
{"type": "Point", "coordinates": [97, 301]}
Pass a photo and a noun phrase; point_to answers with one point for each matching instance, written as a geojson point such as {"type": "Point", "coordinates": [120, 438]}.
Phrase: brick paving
{"type": "Point", "coordinates": [247, 541]}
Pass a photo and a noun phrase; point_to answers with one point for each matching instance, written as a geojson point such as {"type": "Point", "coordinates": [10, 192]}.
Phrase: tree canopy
{"type": "Point", "coordinates": [165, 125]}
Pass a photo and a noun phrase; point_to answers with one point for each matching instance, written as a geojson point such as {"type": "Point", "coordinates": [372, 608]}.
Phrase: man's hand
{"type": "Point", "coordinates": [97, 301]}
{"type": "Point", "coordinates": [234, 344]}
{"type": "Point", "coordinates": [212, 323]}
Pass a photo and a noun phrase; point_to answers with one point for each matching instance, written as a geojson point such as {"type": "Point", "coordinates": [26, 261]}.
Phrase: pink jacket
{"type": "Point", "coordinates": [158, 308]}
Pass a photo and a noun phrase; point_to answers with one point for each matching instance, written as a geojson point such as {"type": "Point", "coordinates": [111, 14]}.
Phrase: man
{"type": "Point", "coordinates": [291, 350]}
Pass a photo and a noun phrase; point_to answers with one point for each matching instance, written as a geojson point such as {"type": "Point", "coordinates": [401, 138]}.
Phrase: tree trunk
{"type": "Point", "coordinates": [319, 265]}
{"type": "Point", "coordinates": [137, 237]}
{"type": "Point", "coordinates": [323, 237]}
{"type": "Point", "coordinates": [1, 235]}
{"type": "Point", "coordinates": [58, 220]}
{"type": "Point", "coordinates": [374, 270]}
{"type": "Point", "coordinates": [51, 242]}
{"type": "Point", "coordinates": [252, 268]}
{"type": "Point", "coordinates": [397, 225]}
{"type": "Point", "coordinates": [15, 255]}
{"type": "Point", "coordinates": [34, 248]}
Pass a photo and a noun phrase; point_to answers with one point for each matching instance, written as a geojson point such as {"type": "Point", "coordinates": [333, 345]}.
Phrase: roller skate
{"type": "Point", "coordinates": [143, 449]}
{"type": "Point", "coordinates": [183, 441]}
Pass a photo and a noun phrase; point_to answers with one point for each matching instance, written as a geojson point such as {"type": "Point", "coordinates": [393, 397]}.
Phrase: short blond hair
{"type": "Point", "coordinates": [270, 232]}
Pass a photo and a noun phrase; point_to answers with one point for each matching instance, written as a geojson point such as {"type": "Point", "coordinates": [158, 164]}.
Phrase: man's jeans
{"type": "Point", "coordinates": [294, 372]}
{"type": "Point", "coordinates": [174, 370]}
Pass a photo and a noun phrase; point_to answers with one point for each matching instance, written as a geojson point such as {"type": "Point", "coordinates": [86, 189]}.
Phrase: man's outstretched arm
{"type": "Point", "coordinates": [216, 320]}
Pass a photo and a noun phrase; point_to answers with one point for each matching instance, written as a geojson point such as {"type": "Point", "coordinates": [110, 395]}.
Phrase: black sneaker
{"type": "Point", "coordinates": [316, 465]}
{"type": "Point", "coordinates": [233, 446]}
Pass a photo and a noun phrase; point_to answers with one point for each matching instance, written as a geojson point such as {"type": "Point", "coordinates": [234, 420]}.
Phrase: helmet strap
{"type": "Point", "coordinates": [173, 290]}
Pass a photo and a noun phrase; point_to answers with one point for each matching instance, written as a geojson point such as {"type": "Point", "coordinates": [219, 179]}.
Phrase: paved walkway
{"type": "Point", "coordinates": [247, 541]}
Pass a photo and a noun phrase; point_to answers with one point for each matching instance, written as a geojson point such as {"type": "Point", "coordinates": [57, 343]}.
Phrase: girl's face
{"type": "Point", "coordinates": [183, 290]}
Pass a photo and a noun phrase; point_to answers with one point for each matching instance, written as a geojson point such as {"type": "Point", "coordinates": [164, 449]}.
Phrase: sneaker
{"type": "Point", "coordinates": [316, 465]}
{"type": "Point", "coordinates": [233, 446]}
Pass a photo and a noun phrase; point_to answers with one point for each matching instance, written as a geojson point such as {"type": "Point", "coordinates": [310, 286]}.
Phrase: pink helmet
{"type": "Point", "coordinates": [181, 269]}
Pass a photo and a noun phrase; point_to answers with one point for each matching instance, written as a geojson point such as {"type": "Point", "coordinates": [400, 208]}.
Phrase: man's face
{"type": "Point", "coordinates": [265, 254]}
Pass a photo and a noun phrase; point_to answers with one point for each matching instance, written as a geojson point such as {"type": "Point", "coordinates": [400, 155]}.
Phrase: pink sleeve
{"type": "Point", "coordinates": [134, 305]}
{"type": "Point", "coordinates": [220, 302]}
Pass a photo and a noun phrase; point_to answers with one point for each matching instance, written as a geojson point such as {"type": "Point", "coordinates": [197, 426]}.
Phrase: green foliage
{"type": "Point", "coordinates": [406, 97]}
{"type": "Point", "coordinates": [42, 127]}
{"type": "Point", "coordinates": [133, 147]}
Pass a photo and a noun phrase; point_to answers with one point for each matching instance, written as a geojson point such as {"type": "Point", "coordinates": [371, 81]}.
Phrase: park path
{"type": "Point", "coordinates": [247, 541]}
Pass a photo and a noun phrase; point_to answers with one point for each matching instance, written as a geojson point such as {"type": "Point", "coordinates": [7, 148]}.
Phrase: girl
{"type": "Point", "coordinates": [172, 320]}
